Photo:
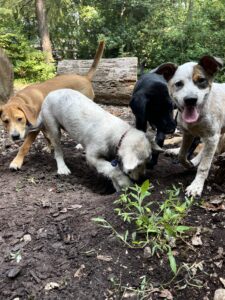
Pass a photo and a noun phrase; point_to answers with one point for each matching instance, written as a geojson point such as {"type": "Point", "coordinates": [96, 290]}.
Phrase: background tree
{"type": "Point", "coordinates": [43, 30]}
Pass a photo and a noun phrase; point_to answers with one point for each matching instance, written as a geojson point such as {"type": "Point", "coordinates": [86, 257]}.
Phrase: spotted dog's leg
{"type": "Point", "coordinates": [196, 160]}
{"type": "Point", "coordinates": [196, 187]}
{"type": "Point", "coordinates": [186, 143]}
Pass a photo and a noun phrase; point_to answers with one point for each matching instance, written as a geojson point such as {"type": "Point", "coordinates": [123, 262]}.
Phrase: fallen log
{"type": "Point", "coordinates": [114, 79]}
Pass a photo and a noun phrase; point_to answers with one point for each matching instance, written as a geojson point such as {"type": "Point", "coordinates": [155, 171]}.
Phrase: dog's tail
{"type": "Point", "coordinates": [6, 80]}
{"type": "Point", "coordinates": [97, 58]}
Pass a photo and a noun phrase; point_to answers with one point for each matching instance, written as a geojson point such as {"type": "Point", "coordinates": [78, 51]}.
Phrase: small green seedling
{"type": "Point", "coordinates": [155, 223]}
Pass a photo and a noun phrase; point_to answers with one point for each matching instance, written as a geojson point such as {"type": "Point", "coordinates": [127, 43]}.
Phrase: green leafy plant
{"type": "Point", "coordinates": [154, 223]}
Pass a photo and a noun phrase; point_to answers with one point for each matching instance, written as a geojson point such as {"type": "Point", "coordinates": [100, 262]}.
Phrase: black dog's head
{"type": "Point", "coordinates": [151, 103]}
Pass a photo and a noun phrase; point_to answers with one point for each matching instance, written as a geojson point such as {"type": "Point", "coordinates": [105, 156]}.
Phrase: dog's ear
{"type": "Point", "coordinates": [211, 64]}
{"type": "Point", "coordinates": [155, 147]}
{"type": "Point", "coordinates": [29, 113]}
{"type": "Point", "coordinates": [167, 70]}
{"type": "Point", "coordinates": [139, 108]}
{"type": "Point", "coordinates": [130, 162]}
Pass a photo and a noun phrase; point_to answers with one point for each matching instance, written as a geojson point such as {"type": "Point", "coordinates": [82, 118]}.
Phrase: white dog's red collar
{"type": "Point", "coordinates": [116, 160]}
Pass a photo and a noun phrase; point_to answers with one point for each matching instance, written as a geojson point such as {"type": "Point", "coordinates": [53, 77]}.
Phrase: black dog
{"type": "Point", "coordinates": [152, 104]}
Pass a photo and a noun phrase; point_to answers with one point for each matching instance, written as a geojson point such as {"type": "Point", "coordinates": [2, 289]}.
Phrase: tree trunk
{"type": "Point", "coordinates": [43, 30]}
{"type": "Point", "coordinates": [190, 11]}
{"type": "Point", "coordinates": [114, 80]}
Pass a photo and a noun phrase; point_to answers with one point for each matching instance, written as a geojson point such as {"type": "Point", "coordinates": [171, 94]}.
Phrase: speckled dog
{"type": "Point", "coordinates": [113, 147]}
{"type": "Point", "coordinates": [201, 105]}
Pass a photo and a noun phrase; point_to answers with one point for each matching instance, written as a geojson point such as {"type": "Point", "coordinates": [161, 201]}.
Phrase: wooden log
{"type": "Point", "coordinates": [114, 79]}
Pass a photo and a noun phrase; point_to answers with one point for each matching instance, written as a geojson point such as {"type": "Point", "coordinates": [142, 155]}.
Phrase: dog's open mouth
{"type": "Point", "coordinates": [190, 114]}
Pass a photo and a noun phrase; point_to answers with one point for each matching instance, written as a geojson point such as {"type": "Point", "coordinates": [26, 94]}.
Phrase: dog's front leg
{"type": "Point", "coordinates": [119, 179]}
{"type": "Point", "coordinates": [186, 143]}
{"type": "Point", "coordinates": [210, 146]}
{"type": "Point", "coordinates": [18, 160]}
{"type": "Point", "coordinates": [62, 168]}
{"type": "Point", "coordinates": [160, 137]}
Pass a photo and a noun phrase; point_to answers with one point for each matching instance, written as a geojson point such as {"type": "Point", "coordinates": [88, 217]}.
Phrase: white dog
{"type": "Point", "coordinates": [201, 105]}
{"type": "Point", "coordinates": [103, 135]}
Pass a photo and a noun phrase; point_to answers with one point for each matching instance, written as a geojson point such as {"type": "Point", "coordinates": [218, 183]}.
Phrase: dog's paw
{"type": "Point", "coordinates": [194, 189]}
{"type": "Point", "coordinates": [63, 170]}
{"type": "Point", "coordinates": [172, 152]}
{"type": "Point", "coordinates": [16, 164]}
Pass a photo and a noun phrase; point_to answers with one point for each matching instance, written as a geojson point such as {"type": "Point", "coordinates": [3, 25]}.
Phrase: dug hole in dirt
{"type": "Point", "coordinates": [51, 249]}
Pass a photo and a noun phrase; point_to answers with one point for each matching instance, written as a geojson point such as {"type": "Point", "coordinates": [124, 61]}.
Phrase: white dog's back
{"type": "Point", "coordinates": [78, 115]}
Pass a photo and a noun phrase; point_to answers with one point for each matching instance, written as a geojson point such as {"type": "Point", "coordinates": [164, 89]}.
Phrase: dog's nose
{"type": "Point", "coordinates": [190, 100]}
{"type": "Point", "coordinates": [15, 136]}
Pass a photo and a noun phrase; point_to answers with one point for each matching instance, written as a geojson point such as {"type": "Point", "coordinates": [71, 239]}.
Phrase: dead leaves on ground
{"type": "Point", "coordinates": [214, 204]}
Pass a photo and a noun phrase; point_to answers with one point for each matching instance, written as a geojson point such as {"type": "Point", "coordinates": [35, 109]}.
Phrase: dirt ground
{"type": "Point", "coordinates": [51, 249]}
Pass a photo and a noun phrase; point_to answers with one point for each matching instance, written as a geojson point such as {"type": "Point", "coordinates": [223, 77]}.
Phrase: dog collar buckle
{"type": "Point", "coordinates": [115, 162]}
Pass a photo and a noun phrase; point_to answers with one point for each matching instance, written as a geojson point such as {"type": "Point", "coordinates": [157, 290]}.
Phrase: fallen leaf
{"type": "Point", "coordinates": [219, 264]}
{"type": "Point", "coordinates": [166, 294]}
{"type": "Point", "coordinates": [147, 252]}
{"type": "Point", "coordinates": [79, 272]}
{"type": "Point", "coordinates": [199, 230]}
{"type": "Point", "coordinates": [196, 240]}
{"type": "Point", "coordinates": [104, 257]}
{"type": "Point", "coordinates": [212, 207]}
{"type": "Point", "coordinates": [27, 238]}
{"type": "Point", "coordinates": [51, 285]}
{"type": "Point", "coordinates": [130, 295]}
{"type": "Point", "coordinates": [216, 201]}
{"type": "Point", "coordinates": [196, 266]}
{"type": "Point", "coordinates": [75, 206]}
{"type": "Point", "coordinates": [222, 281]}
{"type": "Point", "coordinates": [14, 272]}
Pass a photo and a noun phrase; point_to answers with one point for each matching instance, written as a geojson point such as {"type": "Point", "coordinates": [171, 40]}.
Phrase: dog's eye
{"type": "Point", "coordinates": [19, 119]}
{"type": "Point", "coordinates": [179, 84]}
{"type": "Point", "coordinates": [6, 121]}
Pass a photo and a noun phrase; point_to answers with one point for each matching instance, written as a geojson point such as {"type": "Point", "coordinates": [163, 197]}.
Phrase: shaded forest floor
{"type": "Point", "coordinates": [51, 249]}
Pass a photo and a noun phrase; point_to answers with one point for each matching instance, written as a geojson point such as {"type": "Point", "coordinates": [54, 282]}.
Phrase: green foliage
{"type": "Point", "coordinates": [154, 31]}
{"type": "Point", "coordinates": [28, 62]}
{"type": "Point", "coordinates": [156, 224]}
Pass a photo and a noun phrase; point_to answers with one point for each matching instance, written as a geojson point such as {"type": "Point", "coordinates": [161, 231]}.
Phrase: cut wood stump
{"type": "Point", "coordinates": [114, 79]}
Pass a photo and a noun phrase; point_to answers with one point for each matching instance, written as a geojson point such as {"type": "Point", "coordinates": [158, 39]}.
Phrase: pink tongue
{"type": "Point", "coordinates": [190, 114]}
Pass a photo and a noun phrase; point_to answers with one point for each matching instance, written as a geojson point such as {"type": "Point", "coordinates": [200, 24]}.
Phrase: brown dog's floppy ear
{"type": "Point", "coordinates": [211, 64]}
{"type": "Point", "coordinates": [29, 113]}
{"type": "Point", "coordinates": [167, 70]}
{"type": "Point", "coordinates": [151, 137]}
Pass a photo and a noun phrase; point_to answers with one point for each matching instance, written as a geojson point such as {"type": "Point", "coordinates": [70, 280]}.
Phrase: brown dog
{"type": "Point", "coordinates": [21, 110]}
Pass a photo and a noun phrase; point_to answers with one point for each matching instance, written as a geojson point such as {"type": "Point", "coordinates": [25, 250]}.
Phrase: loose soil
{"type": "Point", "coordinates": [47, 234]}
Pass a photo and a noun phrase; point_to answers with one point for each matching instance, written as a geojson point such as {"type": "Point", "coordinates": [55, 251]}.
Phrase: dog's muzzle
{"type": "Point", "coordinates": [190, 101]}
{"type": "Point", "coordinates": [15, 136]}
